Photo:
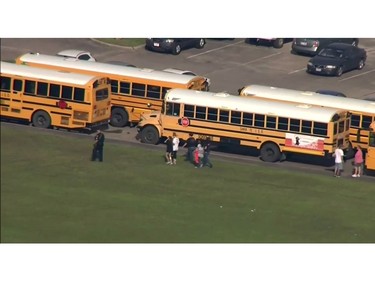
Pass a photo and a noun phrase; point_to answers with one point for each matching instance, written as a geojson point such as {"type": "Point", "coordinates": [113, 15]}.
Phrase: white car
{"type": "Point", "coordinates": [187, 72]}
{"type": "Point", "coordinates": [76, 54]}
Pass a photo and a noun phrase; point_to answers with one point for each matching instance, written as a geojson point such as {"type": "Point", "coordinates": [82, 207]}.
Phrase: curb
{"type": "Point", "coordinates": [118, 46]}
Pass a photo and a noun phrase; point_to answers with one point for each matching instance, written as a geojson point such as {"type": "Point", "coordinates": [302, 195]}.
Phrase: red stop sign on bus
{"type": "Point", "coordinates": [185, 121]}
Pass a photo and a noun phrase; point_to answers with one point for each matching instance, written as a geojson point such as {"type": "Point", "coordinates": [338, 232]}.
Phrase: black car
{"type": "Point", "coordinates": [173, 45]}
{"type": "Point", "coordinates": [336, 59]}
{"type": "Point", "coordinates": [312, 46]}
{"type": "Point", "coordinates": [331, 93]}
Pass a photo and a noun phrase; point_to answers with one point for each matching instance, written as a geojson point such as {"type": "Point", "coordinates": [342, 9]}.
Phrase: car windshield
{"type": "Point", "coordinates": [331, 53]}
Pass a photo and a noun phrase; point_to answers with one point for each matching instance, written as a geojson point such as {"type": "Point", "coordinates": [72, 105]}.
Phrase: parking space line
{"type": "Point", "coordinates": [354, 76]}
{"type": "Point", "coordinates": [298, 70]}
{"type": "Point", "coordinates": [209, 51]}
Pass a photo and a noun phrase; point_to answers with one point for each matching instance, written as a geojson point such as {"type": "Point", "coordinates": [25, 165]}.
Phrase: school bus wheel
{"type": "Point", "coordinates": [270, 152]}
{"type": "Point", "coordinates": [41, 119]}
{"type": "Point", "coordinates": [119, 117]}
{"type": "Point", "coordinates": [150, 135]}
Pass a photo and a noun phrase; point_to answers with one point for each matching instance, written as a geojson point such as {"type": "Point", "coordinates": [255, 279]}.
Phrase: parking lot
{"type": "Point", "coordinates": [230, 64]}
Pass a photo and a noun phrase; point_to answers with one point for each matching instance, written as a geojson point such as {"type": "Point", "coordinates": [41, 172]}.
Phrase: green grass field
{"type": "Point", "coordinates": [51, 192]}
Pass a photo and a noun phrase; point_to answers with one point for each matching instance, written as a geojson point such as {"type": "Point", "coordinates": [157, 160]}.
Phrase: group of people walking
{"type": "Point", "coordinates": [198, 151]}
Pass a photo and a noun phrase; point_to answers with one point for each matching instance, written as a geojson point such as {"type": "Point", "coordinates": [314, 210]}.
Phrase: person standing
{"type": "Point", "coordinates": [169, 150]}
{"type": "Point", "coordinates": [176, 142]}
{"type": "Point", "coordinates": [358, 162]}
{"type": "Point", "coordinates": [191, 145]}
{"type": "Point", "coordinates": [200, 153]}
{"type": "Point", "coordinates": [339, 160]}
{"type": "Point", "coordinates": [97, 152]}
{"type": "Point", "coordinates": [206, 154]}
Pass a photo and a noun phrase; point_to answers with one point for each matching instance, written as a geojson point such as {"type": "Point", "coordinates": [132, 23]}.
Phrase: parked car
{"type": "Point", "coordinates": [173, 45]}
{"type": "Point", "coordinates": [312, 46]}
{"type": "Point", "coordinates": [76, 54]}
{"type": "Point", "coordinates": [336, 59]}
{"type": "Point", "coordinates": [276, 42]}
{"type": "Point", "coordinates": [188, 72]}
{"type": "Point", "coordinates": [331, 93]}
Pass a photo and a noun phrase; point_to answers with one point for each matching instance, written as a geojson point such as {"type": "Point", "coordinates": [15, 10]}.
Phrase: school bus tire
{"type": "Point", "coordinates": [41, 119]}
{"type": "Point", "coordinates": [150, 135]}
{"type": "Point", "coordinates": [270, 152]}
{"type": "Point", "coordinates": [119, 117]}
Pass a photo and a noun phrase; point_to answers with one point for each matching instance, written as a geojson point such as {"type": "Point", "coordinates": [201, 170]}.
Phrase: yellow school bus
{"type": "Point", "coordinates": [370, 155]}
{"type": "Point", "coordinates": [274, 128]}
{"type": "Point", "coordinates": [133, 90]}
{"type": "Point", "coordinates": [362, 111]}
{"type": "Point", "coordinates": [49, 98]}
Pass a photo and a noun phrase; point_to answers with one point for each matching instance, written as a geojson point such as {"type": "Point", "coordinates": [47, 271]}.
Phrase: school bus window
{"type": "Point", "coordinates": [259, 120]}
{"type": "Point", "coordinates": [366, 121]}
{"type": "Point", "coordinates": [79, 94]}
{"type": "Point", "coordinates": [114, 86]}
{"type": "Point", "coordinates": [189, 110]}
{"type": "Point", "coordinates": [224, 116]}
{"type": "Point", "coordinates": [212, 114]}
{"type": "Point", "coordinates": [5, 84]}
{"type": "Point", "coordinates": [153, 92]}
{"type": "Point", "coordinates": [30, 87]}
{"type": "Point", "coordinates": [321, 129]}
{"type": "Point", "coordinates": [235, 117]}
{"type": "Point", "coordinates": [67, 92]}
{"type": "Point", "coordinates": [306, 126]}
{"type": "Point", "coordinates": [54, 90]}
{"type": "Point", "coordinates": [200, 112]}
{"type": "Point", "coordinates": [168, 108]}
{"type": "Point", "coordinates": [173, 109]}
{"type": "Point", "coordinates": [283, 123]}
{"type": "Point", "coordinates": [294, 125]}
{"type": "Point", "coordinates": [138, 89]}
{"type": "Point", "coordinates": [101, 94]}
{"type": "Point", "coordinates": [42, 89]}
{"type": "Point", "coordinates": [247, 119]}
{"type": "Point", "coordinates": [341, 127]}
{"type": "Point", "coordinates": [271, 122]}
{"type": "Point", "coordinates": [356, 120]}
{"type": "Point", "coordinates": [17, 85]}
{"type": "Point", "coordinates": [125, 88]}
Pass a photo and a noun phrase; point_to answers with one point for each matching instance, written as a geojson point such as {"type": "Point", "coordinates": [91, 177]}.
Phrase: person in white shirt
{"type": "Point", "coordinates": [176, 142]}
{"type": "Point", "coordinates": [339, 160]}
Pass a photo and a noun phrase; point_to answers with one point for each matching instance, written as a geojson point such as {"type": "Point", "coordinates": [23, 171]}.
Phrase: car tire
{"type": "Point", "coordinates": [355, 42]}
{"type": "Point", "coordinates": [176, 49]}
{"type": "Point", "coordinates": [340, 71]}
{"type": "Point", "coordinates": [201, 43]}
{"type": "Point", "coordinates": [361, 64]}
{"type": "Point", "coordinates": [278, 43]}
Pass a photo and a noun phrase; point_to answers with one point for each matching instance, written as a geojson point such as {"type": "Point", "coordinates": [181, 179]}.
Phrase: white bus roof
{"type": "Point", "coordinates": [45, 74]}
{"type": "Point", "coordinates": [107, 68]}
{"type": "Point", "coordinates": [230, 102]}
{"type": "Point", "coordinates": [309, 97]}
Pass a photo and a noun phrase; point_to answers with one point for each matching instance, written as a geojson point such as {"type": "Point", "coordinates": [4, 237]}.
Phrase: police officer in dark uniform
{"type": "Point", "coordinates": [97, 151]}
{"type": "Point", "coordinates": [207, 150]}
{"type": "Point", "coordinates": [191, 145]}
